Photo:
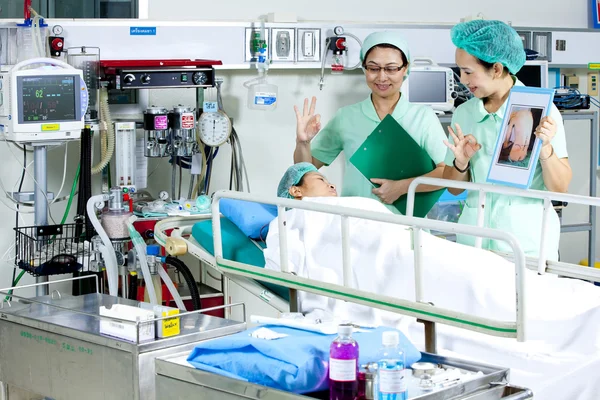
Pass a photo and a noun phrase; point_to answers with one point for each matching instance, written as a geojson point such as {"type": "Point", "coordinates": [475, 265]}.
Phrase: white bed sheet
{"type": "Point", "coordinates": [563, 314]}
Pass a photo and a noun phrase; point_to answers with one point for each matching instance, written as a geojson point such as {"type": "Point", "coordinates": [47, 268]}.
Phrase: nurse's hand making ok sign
{"type": "Point", "coordinates": [463, 147]}
{"type": "Point", "coordinates": [308, 124]}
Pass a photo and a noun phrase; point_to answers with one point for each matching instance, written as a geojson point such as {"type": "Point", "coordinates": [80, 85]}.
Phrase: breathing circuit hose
{"type": "Point", "coordinates": [188, 277]}
{"type": "Point", "coordinates": [108, 252]}
{"type": "Point", "coordinates": [110, 133]}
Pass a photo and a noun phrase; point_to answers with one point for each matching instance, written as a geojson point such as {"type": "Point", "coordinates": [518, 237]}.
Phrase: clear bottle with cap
{"type": "Point", "coordinates": [390, 376]}
{"type": "Point", "coordinates": [152, 254]}
{"type": "Point", "coordinates": [114, 220]}
{"type": "Point", "coordinates": [343, 365]}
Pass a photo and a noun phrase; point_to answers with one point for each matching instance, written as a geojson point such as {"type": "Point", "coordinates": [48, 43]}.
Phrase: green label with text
{"type": "Point", "coordinates": [52, 342]}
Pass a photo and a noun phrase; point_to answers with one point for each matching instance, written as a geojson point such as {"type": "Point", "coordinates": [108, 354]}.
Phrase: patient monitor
{"type": "Point", "coordinates": [42, 104]}
{"type": "Point", "coordinates": [431, 85]}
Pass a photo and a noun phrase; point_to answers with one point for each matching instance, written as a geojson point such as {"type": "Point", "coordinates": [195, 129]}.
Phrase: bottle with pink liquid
{"type": "Point", "coordinates": [343, 365]}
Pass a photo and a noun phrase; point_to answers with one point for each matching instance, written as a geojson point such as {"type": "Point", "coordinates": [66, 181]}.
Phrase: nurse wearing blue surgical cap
{"type": "Point", "coordinates": [488, 54]}
{"type": "Point", "coordinates": [386, 63]}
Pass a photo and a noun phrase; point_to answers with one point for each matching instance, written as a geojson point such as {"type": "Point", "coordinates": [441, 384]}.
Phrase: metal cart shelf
{"type": "Point", "coordinates": [178, 380]}
{"type": "Point", "coordinates": [53, 347]}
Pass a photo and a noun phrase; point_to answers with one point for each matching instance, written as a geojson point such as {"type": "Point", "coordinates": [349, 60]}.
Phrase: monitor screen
{"type": "Point", "coordinates": [427, 87]}
{"type": "Point", "coordinates": [530, 75]}
{"type": "Point", "coordinates": [47, 98]}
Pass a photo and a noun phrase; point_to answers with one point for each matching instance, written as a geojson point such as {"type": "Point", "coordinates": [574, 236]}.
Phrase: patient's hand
{"type": "Point", "coordinates": [389, 191]}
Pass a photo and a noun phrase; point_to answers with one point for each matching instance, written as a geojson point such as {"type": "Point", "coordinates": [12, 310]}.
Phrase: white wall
{"type": "Point", "coordinates": [537, 13]}
{"type": "Point", "coordinates": [267, 138]}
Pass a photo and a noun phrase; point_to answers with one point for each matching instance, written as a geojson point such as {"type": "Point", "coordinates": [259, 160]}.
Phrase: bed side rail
{"type": "Point", "coordinates": [541, 264]}
{"type": "Point", "coordinates": [515, 329]}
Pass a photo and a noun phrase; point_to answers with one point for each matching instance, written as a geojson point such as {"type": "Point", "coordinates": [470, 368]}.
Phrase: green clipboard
{"type": "Point", "coordinates": [391, 153]}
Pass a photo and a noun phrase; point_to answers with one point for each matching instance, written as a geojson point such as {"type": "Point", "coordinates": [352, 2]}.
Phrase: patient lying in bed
{"type": "Point", "coordinates": [563, 314]}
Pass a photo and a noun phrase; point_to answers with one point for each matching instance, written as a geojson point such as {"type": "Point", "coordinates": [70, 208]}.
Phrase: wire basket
{"type": "Point", "coordinates": [52, 249]}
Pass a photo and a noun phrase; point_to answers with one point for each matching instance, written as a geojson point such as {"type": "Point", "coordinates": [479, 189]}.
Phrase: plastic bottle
{"type": "Point", "coordinates": [262, 95]}
{"type": "Point", "coordinates": [153, 251]}
{"type": "Point", "coordinates": [31, 39]}
{"type": "Point", "coordinates": [390, 375]}
{"type": "Point", "coordinates": [343, 365]}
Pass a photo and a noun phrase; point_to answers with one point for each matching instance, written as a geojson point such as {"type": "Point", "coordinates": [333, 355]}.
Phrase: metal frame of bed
{"type": "Point", "coordinates": [540, 264]}
{"type": "Point", "coordinates": [430, 314]}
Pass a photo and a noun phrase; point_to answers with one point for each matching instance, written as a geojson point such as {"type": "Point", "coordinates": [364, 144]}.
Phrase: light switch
{"type": "Point", "coordinates": [593, 83]}
{"type": "Point", "coordinates": [309, 44]}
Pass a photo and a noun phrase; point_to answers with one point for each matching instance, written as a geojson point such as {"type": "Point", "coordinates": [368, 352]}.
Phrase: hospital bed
{"type": "Point", "coordinates": [248, 273]}
{"type": "Point", "coordinates": [193, 235]}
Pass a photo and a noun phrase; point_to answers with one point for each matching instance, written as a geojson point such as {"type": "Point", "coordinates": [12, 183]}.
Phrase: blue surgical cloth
{"type": "Point", "coordinates": [297, 363]}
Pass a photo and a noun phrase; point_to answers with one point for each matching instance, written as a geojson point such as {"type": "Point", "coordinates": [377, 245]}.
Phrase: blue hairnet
{"type": "Point", "coordinates": [386, 37]}
{"type": "Point", "coordinates": [490, 41]}
{"type": "Point", "coordinates": [292, 177]}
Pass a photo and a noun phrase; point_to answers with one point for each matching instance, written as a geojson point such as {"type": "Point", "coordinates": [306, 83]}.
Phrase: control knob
{"type": "Point", "coordinates": [129, 78]}
{"type": "Point", "coordinates": [145, 78]}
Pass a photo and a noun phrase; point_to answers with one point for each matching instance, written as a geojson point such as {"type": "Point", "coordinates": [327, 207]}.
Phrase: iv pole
{"type": "Point", "coordinates": [40, 202]}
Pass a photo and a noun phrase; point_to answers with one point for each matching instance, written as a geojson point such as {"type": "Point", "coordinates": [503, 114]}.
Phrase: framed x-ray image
{"type": "Point", "coordinates": [517, 148]}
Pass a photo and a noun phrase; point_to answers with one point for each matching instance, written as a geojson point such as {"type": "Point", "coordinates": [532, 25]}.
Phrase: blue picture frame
{"type": "Point", "coordinates": [515, 93]}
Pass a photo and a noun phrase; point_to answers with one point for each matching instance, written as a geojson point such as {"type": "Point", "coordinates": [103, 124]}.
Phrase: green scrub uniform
{"type": "Point", "coordinates": [518, 215]}
{"type": "Point", "coordinates": [350, 127]}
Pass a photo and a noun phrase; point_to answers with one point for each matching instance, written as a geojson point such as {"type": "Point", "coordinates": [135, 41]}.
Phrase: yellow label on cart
{"type": "Point", "coordinates": [594, 66]}
{"type": "Point", "coordinates": [170, 326]}
{"type": "Point", "coordinates": [50, 127]}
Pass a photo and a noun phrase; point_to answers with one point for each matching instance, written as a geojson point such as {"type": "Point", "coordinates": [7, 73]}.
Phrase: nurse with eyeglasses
{"type": "Point", "coordinates": [385, 58]}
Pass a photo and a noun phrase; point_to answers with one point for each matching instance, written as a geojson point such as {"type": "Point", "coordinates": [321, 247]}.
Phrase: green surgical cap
{"type": "Point", "coordinates": [386, 37]}
{"type": "Point", "coordinates": [292, 177]}
{"type": "Point", "coordinates": [490, 41]}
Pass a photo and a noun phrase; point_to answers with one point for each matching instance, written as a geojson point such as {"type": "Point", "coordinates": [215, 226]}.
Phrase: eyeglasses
{"type": "Point", "coordinates": [391, 70]}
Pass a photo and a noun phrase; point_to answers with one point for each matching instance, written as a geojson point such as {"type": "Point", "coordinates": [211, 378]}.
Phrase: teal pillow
{"type": "Point", "coordinates": [236, 246]}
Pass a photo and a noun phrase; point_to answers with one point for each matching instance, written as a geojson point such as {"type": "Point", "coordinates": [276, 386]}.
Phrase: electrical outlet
{"type": "Point", "coordinates": [572, 81]}
{"type": "Point", "coordinates": [542, 43]}
{"type": "Point", "coordinates": [308, 45]}
{"type": "Point", "coordinates": [593, 78]}
{"type": "Point", "coordinates": [283, 44]}
{"type": "Point", "coordinates": [526, 38]}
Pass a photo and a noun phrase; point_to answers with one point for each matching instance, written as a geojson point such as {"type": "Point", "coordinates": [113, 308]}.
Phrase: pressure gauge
{"type": "Point", "coordinates": [163, 195]}
{"type": "Point", "coordinates": [57, 29]}
{"type": "Point", "coordinates": [215, 128]}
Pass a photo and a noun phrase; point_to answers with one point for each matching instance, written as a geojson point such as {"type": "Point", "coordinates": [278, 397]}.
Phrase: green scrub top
{"type": "Point", "coordinates": [352, 124]}
{"type": "Point", "coordinates": [518, 215]}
